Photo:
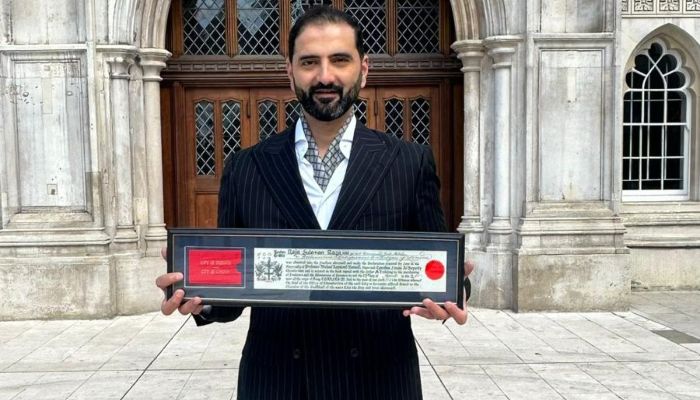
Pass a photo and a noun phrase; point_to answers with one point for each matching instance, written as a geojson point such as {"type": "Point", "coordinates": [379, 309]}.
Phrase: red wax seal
{"type": "Point", "coordinates": [214, 267]}
{"type": "Point", "coordinates": [434, 269]}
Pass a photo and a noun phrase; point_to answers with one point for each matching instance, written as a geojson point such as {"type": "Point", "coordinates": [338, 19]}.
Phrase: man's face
{"type": "Point", "coordinates": [326, 71]}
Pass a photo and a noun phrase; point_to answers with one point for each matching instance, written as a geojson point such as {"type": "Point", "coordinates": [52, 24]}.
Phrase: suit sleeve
{"type": "Point", "coordinates": [430, 217]}
{"type": "Point", "coordinates": [226, 219]}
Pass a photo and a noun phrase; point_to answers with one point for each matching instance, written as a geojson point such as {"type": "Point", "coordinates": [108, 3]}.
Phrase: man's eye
{"type": "Point", "coordinates": [306, 63]}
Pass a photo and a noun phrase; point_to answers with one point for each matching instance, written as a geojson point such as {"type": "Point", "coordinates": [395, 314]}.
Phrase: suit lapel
{"type": "Point", "coordinates": [370, 158]}
{"type": "Point", "coordinates": [277, 164]}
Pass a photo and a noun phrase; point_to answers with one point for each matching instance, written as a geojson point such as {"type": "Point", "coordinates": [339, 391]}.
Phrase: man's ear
{"type": "Point", "coordinates": [364, 69]}
{"type": "Point", "coordinates": [289, 74]}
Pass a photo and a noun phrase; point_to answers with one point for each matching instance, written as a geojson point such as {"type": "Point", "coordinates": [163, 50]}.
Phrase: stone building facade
{"type": "Point", "coordinates": [581, 156]}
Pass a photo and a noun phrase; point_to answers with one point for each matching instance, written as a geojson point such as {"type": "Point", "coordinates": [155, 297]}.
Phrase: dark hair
{"type": "Point", "coordinates": [325, 15]}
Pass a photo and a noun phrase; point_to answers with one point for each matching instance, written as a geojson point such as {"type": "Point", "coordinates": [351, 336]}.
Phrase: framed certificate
{"type": "Point", "coordinates": [316, 268]}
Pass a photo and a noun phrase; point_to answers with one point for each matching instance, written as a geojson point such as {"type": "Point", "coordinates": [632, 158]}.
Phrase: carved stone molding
{"type": "Point", "coordinates": [471, 53]}
{"type": "Point", "coordinates": [501, 49]}
{"type": "Point", "coordinates": [152, 61]}
{"type": "Point", "coordinates": [119, 59]}
{"type": "Point", "coordinates": [655, 8]}
{"type": "Point", "coordinates": [376, 64]}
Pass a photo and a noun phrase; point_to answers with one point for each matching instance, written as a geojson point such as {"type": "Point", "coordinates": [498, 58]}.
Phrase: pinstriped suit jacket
{"type": "Point", "coordinates": [297, 353]}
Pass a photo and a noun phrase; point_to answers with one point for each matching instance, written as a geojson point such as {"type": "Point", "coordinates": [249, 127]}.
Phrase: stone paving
{"type": "Point", "coordinates": [650, 352]}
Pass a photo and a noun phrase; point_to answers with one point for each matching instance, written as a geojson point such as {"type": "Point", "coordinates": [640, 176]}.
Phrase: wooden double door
{"type": "Point", "coordinates": [220, 121]}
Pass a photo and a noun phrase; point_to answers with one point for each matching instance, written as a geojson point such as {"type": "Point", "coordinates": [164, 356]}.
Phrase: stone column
{"type": "Point", "coordinates": [152, 62]}
{"type": "Point", "coordinates": [119, 64]}
{"type": "Point", "coordinates": [501, 49]}
{"type": "Point", "coordinates": [471, 53]}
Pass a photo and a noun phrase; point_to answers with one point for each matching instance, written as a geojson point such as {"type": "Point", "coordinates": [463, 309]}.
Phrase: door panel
{"type": "Point", "coordinates": [216, 127]}
{"type": "Point", "coordinates": [411, 114]}
{"type": "Point", "coordinates": [273, 110]}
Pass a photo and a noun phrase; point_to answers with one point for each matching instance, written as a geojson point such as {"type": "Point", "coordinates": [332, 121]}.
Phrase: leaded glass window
{"type": "Point", "coordinates": [418, 26]}
{"type": "Point", "coordinates": [371, 16]}
{"type": "Point", "coordinates": [292, 111]}
{"type": "Point", "coordinates": [299, 7]}
{"type": "Point", "coordinates": [254, 27]}
{"type": "Point", "coordinates": [231, 117]}
{"type": "Point", "coordinates": [258, 27]}
{"type": "Point", "coordinates": [420, 121]}
{"type": "Point", "coordinates": [205, 156]}
{"type": "Point", "coordinates": [361, 108]}
{"type": "Point", "coordinates": [204, 24]}
{"type": "Point", "coordinates": [267, 118]}
{"type": "Point", "coordinates": [393, 117]}
{"type": "Point", "coordinates": [655, 126]}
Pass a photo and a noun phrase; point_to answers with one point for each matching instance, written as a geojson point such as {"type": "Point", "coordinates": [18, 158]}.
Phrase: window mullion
{"type": "Point", "coordinates": [231, 28]}
{"type": "Point", "coordinates": [391, 31]}
{"type": "Point", "coordinates": [663, 157]}
{"type": "Point", "coordinates": [446, 32]}
{"type": "Point", "coordinates": [285, 8]}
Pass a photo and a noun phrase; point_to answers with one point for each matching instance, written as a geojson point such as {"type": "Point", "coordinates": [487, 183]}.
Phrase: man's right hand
{"type": "Point", "coordinates": [168, 306]}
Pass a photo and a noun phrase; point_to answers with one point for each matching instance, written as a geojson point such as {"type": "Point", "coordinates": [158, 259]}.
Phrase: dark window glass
{"type": "Point", "coordinates": [393, 117]}
{"type": "Point", "coordinates": [361, 108]}
{"type": "Point", "coordinates": [204, 138]}
{"type": "Point", "coordinates": [204, 27]}
{"type": "Point", "coordinates": [292, 111]}
{"type": "Point", "coordinates": [674, 141]}
{"type": "Point", "coordinates": [258, 27]}
{"type": "Point", "coordinates": [231, 119]}
{"type": "Point", "coordinates": [420, 121]}
{"type": "Point", "coordinates": [418, 26]}
{"type": "Point", "coordinates": [371, 16]}
{"type": "Point", "coordinates": [267, 119]}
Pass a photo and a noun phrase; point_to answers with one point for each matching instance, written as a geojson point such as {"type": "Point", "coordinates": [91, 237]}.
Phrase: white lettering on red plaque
{"type": "Point", "coordinates": [214, 267]}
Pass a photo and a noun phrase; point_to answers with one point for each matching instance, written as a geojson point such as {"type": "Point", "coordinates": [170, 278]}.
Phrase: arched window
{"type": "Point", "coordinates": [656, 127]}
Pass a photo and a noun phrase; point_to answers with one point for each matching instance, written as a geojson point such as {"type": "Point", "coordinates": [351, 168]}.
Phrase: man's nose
{"type": "Point", "coordinates": [326, 75]}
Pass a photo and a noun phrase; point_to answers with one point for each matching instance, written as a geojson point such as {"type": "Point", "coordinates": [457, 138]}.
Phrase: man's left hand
{"type": "Point", "coordinates": [430, 310]}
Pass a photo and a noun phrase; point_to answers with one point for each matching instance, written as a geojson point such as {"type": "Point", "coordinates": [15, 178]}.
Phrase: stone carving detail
{"type": "Point", "coordinates": [643, 5]}
{"type": "Point", "coordinates": [641, 8]}
{"type": "Point", "coordinates": [669, 5]}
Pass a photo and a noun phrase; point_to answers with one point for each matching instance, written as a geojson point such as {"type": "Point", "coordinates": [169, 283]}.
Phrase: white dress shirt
{"type": "Point", "coordinates": [323, 203]}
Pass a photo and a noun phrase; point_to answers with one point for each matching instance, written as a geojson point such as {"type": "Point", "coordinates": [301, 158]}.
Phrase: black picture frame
{"type": "Point", "coordinates": [188, 247]}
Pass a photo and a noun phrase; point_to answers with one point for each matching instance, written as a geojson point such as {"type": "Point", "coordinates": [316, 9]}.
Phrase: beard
{"type": "Point", "coordinates": [328, 110]}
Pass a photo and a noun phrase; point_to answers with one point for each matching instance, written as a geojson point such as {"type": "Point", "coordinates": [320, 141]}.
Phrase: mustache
{"type": "Point", "coordinates": [329, 87]}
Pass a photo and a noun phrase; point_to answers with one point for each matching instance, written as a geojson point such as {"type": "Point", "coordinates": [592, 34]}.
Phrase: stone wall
{"type": "Point", "coordinates": [81, 222]}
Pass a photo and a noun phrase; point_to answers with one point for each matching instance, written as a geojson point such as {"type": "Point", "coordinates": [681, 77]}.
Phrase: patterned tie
{"type": "Point", "coordinates": [324, 168]}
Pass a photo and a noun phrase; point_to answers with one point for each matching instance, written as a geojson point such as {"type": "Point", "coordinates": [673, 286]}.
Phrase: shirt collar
{"type": "Point", "coordinates": [301, 144]}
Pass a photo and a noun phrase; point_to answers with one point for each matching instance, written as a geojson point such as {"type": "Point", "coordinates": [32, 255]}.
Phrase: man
{"type": "Point", "coordinates": [327, 172]}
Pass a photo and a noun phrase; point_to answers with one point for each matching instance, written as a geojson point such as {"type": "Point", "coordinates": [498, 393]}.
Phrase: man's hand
{"type": "Point", "coordinates": [430, 310]}
{"type": "Point", "coordinates": [168, 306]}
